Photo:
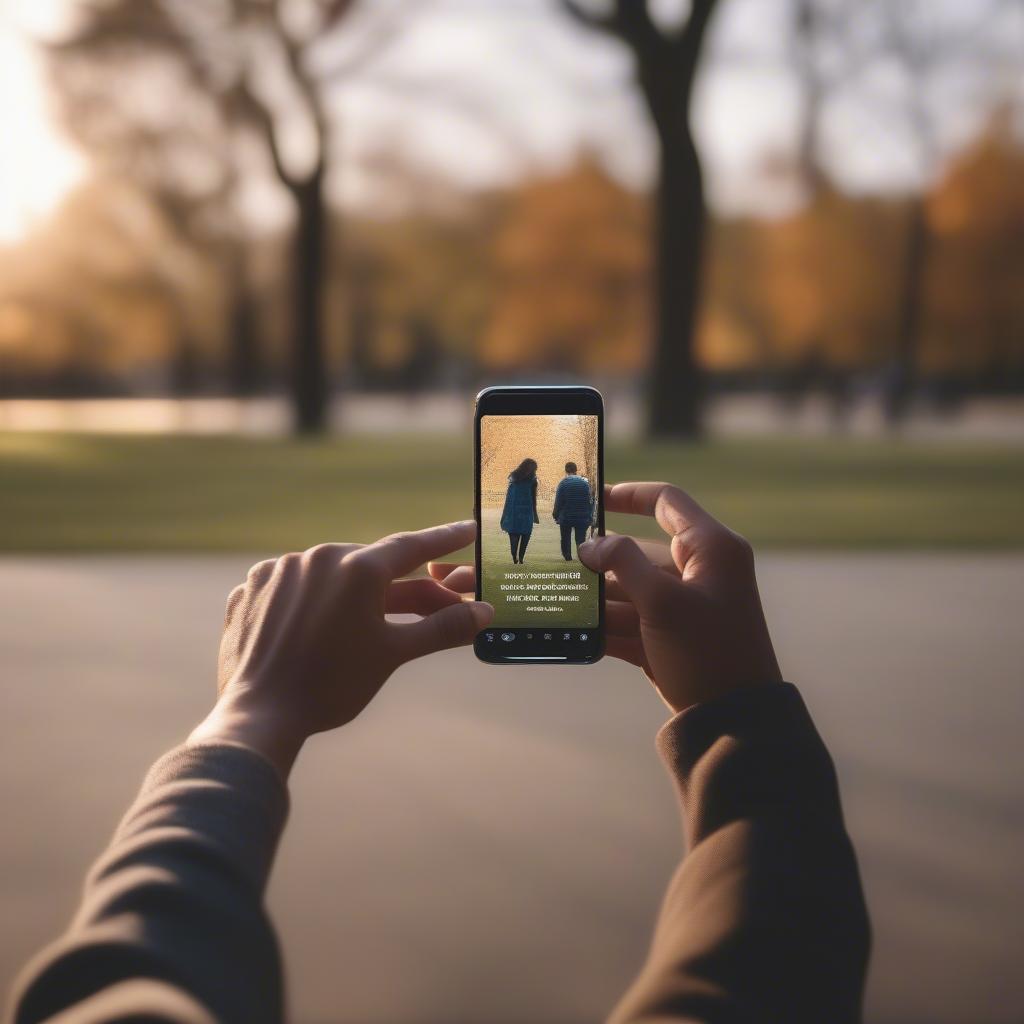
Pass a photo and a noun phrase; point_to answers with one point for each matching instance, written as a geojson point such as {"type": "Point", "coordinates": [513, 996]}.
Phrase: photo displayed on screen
{"type": "Point", "coordinates": [539, 490]}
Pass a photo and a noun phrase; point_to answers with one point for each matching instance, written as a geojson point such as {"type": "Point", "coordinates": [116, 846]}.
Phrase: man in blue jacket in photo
{"type": "Point", "coordinates": [573, 509]}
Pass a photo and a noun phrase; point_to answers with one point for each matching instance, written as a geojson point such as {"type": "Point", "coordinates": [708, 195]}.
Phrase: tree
{"type": "Point", "coordinates": [570, 265]}
{"type": "Point", "coordinates": [253, 70]}
{"type": "Point", "coordinates": [666, 65]}
{"type": "Point", "coordinates": [99, 108]}
{"type": "Point", "coordinates": [976, 304]}
{"type": "Point", "coordinates": [840, 48]}
{"type": "Point", "coordinates": [112, 293]}
{"type": "Point", "coordinates": [917, 52]}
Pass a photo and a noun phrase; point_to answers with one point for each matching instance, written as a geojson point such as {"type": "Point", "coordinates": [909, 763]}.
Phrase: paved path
{"type": "Point", "coordinates": [491, 845]}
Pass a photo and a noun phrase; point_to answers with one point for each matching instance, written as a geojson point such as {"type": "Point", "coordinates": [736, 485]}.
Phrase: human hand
{"type": "Point", "coordinates": [306, 644]}
{"type": "Point", "coordinates": [689, 613]}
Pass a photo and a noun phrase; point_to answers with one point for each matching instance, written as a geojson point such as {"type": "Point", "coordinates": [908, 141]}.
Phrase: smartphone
{"type": "Point", "coordinates": [539, 456]}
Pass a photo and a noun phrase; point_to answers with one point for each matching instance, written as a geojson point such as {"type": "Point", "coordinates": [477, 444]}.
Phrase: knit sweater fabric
{"type": "Point", "coordinates": [763, 921]}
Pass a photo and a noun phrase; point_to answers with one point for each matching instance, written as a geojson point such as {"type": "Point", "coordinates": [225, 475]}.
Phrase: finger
{"type": "Point", "coordinates": [418, 597]}
{"type": "Point", "coordinates": [260, 573]}
{"type": "Point", "coordinates": [462, 580]}
{"type": "Point", "coordinates": [440, 571]}
{"type": "Point", "coordinates": [402, 553]}
{"type": "Point", "coordinates": [673, 508]}
{"type": "Point", "coordinates": [658, 553]}
{"type": "Point", "coordinates": [613, 589]}
{"type": "Point", "coordinates": [621, 619]}
{"type": "Point", "coordinates": [626, 649]}
{"type": "Point", "coordinates": [454, 626]}
{"type": "Point", "coordinates": [234, 600]}
{"type": "Point", "coordinates": [328, 554]}
{"type": "Point", "coordinates": [644, 585]}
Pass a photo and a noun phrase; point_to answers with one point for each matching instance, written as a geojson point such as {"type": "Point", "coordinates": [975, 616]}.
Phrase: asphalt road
{"type": "Point", "coordinates": [491, 844]}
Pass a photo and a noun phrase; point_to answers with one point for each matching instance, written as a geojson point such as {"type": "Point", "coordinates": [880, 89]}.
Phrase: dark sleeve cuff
{"type": "Point", "coordinates": [752, 750]}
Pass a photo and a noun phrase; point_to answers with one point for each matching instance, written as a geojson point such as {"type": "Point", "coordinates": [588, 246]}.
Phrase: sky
{"type": "Point", "coordinates": [37, 166]}
{"type": "Point", "coordinates": [481, 91]}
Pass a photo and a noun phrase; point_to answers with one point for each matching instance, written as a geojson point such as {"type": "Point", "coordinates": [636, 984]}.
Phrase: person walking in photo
{"type": "Point", "coordinates": [520, 512]}
{"type": "Point", "coordinates": [573, 509]}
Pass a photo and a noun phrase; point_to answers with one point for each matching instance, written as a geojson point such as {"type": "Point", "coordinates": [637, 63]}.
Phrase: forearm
{"type": "Point", "coordinates": [260, 728]}
{"type": "Point", "coordinates": [172, 924]}
{"type": "Point", "coordinates": [764, 919]}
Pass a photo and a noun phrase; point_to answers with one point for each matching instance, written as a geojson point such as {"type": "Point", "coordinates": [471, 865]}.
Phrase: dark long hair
{"type": "Point", "coordinates": [523, 471]}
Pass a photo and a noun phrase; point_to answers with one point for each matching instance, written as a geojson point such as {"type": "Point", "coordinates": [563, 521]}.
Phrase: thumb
{"type": "Point", "coordinates": [454, 626]}
{"type": "Point", "coordinates": [645, 585]}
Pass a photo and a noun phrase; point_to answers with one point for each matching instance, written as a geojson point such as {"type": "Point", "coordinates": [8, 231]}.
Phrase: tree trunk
{"type": "Point", "coordinates": [184, 371]}
{"type": "Point", "coordinates": [185, 375]}
{"type": "Point", "coordinates": [309, 370]}
{"type": "Point", "coordinates": [245, 369]}
{"type": "Point", "coordinates": [900, 384]}
{"type": "Point", "coordinates": [675, 388]}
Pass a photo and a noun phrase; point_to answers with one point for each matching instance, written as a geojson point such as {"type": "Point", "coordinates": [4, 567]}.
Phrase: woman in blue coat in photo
{"type": "Point", "coordinates": [520, 512]}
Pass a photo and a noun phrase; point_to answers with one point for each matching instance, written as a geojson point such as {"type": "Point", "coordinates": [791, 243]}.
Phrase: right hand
{"type": "Point", "coordinates": [690, 615]}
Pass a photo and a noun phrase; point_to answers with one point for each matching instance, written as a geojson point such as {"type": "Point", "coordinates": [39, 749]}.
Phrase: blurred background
{"type": "Point", "coordinates": [256, 257]}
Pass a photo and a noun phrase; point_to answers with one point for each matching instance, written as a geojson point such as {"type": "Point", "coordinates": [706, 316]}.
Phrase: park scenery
{"type": "Point", "coordinates": [545, 589]}
{"type": "Point", "coordinates": [256, 259]}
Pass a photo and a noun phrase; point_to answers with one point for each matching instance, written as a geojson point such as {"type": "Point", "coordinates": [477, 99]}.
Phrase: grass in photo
{"type": "Point", "coordinates": [543, 555]}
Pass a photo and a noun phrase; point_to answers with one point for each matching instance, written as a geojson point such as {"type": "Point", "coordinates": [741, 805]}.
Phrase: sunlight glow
{"type": "Point", "coordinates": [37, 165]}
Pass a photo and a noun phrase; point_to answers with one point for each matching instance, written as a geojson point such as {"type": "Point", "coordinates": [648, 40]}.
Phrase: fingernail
{"type": "Point", "coordinates": [465, 523]}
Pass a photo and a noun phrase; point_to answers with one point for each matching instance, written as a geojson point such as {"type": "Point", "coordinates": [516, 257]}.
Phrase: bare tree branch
{"type": "Point", "coordinates": [628, 20]}
{"type": "Point", "coordinates": [381, 37]}
{"type": "Point", "coordinates": [335, 12]}
{"type": "Point", "coordinates": [634, 24]}
{"type": "Point", "coordinates": [256, 113]}
{"type": "Point", "coordinates": [691, 36]}
{"type": "Point", "coordinates": [589, 18]}
{"type": "Point", "coordinates": [294, 59]}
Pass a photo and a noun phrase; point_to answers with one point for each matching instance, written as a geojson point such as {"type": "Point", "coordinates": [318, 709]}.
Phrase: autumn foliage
{"type": "Point", "coordinates": [549, 275]}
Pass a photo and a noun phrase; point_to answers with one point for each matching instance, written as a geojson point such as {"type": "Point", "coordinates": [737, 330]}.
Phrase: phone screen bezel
{"type": "Point", "coordinates": [536, 400]}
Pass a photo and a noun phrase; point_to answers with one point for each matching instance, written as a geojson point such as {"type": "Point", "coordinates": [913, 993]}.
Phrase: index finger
{"type": "Point", "coordinates": [401, 553]}
{"type": "Point", "coordinates": [672, 507]}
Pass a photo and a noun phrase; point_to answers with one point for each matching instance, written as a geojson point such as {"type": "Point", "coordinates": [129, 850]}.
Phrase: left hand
{"type": "Point", "coordinates": [306, 644]}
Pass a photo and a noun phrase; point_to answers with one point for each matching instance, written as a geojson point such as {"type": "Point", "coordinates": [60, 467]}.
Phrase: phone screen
{"type": "Point", "coordinates": [539, 493]}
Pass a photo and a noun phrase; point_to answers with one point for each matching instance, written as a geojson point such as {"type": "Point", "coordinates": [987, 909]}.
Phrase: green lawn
{"type": "Point", "coordinates": [76, 492]}
{"type": "Point", "coordinates": [544, 555]}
